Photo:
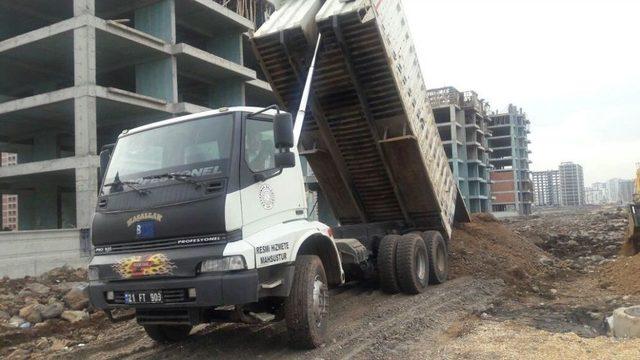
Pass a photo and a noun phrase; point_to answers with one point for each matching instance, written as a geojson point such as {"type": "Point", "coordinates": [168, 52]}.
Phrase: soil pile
{"type": "Point", "coordinates": [621, 276]}
{"type": "Point", "coordinates": [487, 248]}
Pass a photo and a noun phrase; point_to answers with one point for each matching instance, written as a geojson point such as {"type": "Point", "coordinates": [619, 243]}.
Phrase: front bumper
{"type": "Point", "coordinates": [212, 290]}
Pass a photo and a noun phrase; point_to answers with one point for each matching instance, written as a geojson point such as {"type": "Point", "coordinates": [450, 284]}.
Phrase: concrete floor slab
{"type": "Point", "coordinates": [206, 67]}
{"type": "Point", "coordinates": [10, 173]}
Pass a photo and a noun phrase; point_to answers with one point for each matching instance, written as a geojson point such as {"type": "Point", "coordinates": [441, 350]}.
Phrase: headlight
{"type": "Point", "coordinates": [228, 263]}
{"type": "Point", "coordinates": [93, 273]}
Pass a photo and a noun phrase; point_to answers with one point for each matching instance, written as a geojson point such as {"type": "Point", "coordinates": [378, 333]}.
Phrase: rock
{"type": "Point", "coordinates": [572, 243]}
{"type": "Point", "coordinates": [52, 311]}
{"type": "Point", "coordinates": [38, 288]}
{"type": "Point", "coordinates": [553, 291]}
{"type": "Point", "coordinates": [4, 316]}
{"type": "Point", "coordinates": [66, 286]}
{"type": "Point", "coordinates": [59, 344]}
{"type": "Point", "coordinates": [597, 258]}
{"type": "Point", "coordinates": [32, 313]}
{"type": "Point", "coordinates": [26, 325]}
{"type": "Point", "coordinates": [77, 298]}
{"type": "Point", "coordinates": [75, 316]}
{"type": "Point", "coordinates": [545, 261]}
{"type": "Point", "coordinates": [19, 354]}
{"type": "Point", "coordinates": [16, 321]}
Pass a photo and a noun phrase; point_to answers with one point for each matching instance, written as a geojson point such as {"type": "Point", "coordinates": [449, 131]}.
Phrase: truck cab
{"type": "Point", "coordinates": [204, 218]}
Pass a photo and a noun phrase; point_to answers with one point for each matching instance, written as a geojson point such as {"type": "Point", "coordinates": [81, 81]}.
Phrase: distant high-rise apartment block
{"type": "Point", "coordinates": [572, 191]}
{"type": "Point", "coordinates": [596, 194]}
{"type": "Point", "coordinates": [620, 191]}
{"type": "Point", "coordinates": [511, 184]}
{"type": "Point", "coordinates": [546, 188]}
{"type": "Point", "coordinates": [463, 123]}
{"type": "Point", "coordinates": [9, 201]}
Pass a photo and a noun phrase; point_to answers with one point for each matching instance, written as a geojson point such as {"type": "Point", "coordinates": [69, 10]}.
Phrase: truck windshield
{"type": "Point", "coordinates": [197, 149]}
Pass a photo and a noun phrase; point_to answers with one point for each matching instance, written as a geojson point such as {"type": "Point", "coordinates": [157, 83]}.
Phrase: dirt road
{"type": "Point", "coordinates": [364, 324]}
{"type": "Point", "coordinates": [539, 287]}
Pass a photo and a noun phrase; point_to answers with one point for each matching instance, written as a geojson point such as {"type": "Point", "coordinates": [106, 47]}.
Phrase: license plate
{"type": "Point", "coordinates": [143, 297]}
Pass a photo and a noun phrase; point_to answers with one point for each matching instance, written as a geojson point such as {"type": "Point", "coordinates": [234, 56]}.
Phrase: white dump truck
{"type": "Point", "coordinates": [204, 218]}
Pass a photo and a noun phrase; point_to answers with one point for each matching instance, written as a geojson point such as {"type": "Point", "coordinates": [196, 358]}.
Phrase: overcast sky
{"type": "Point", "coordinates": [573, 66]}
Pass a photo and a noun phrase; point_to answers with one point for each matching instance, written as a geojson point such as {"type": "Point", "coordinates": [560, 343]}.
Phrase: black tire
{"type": "Point", "coordinates": [386, 263]}
{"type": "Point", "coordinates": [306, 308]}
{"type": "Point", "coordinates": [412, 264]}
{"type": "Point", "coordinates": [165, 334]}
{"type": "Point", "coordinates": [438, 253]}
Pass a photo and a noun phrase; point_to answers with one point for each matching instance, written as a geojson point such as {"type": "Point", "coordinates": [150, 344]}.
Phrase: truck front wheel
{"type": "Point", "coordinates": [306, 308]}
{"type": "Point", "coordinates": [168, 333]}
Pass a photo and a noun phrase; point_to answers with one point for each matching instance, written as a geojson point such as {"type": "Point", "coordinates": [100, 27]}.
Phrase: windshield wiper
{"type": "Point", "coordinates": [130, 184]}
{"type": "Point", "coordinates": [185, 178]}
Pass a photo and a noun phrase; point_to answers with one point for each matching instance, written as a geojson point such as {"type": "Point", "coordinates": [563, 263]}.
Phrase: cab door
{"type": "Point", "coordinates": [270, 196]}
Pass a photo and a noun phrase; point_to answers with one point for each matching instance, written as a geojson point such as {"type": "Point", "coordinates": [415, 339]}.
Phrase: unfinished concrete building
{"type": "Point", "coordinates": [75, 73]}
{"type": "Point", "coordinates": [463, 125]}
{"type": "Point", "coordinates": [511, 178]}
{"type": "Point", "coordinates": [546, 188]}
{"type": "Point", "coordinates": [571, 184]}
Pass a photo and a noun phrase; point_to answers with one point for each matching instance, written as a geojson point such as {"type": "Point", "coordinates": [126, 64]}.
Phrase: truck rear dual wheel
{"type": "Point", "coordinates": [306, 308]}
{"type": "Point", "coordinates": [168, 333]}
{"type": "Point", "coordinates": [403, 264]}
{"type": "Point", "coordinates": [412, 264]}
{"type": "Point", "coordinates": [438, 257]}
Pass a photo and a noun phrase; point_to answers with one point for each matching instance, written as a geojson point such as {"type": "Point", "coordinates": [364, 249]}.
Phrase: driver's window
{"type": "Point", "coordinates": [259, 145]}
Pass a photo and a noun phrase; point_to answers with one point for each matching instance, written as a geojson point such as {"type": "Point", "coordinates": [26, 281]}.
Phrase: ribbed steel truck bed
{"type": "Point", "coordinates": [370, 136]}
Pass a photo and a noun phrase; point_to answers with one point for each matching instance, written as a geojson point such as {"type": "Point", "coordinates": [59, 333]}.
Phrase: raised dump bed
{"type": "Point", "coordinates": [370, 137]}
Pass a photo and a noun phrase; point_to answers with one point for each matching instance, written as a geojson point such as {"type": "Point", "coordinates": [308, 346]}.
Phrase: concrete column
{"type": "Point", "coordinates": [84, 55]}
{"type": "Point", "coordinates": [86, 195]}
{"type": "Point", "coordinates": [82, 7]}
{"type": "Point", "coordinates": [158, 19]}
{"type": "Point", "coordinates": [85, 106]}
{"type": "Point", "coordinates": [85, 110]}
{"type": "Point", "coordinates": [158, 79]}
{"type": "Point", "coordinates": [85, 126]}
{"type": "Point", "coordinates": [454, 138]}
{"type": "Point", "coordinates": [227, 93]}
{"type": "Point", "coordinates": [227, 45]}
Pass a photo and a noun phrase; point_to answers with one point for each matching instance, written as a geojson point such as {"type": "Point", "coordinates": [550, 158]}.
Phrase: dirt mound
{"type": "Point", "coordinates": [621, 276]}
{"type": "Point", "coordinates": [485, 247]}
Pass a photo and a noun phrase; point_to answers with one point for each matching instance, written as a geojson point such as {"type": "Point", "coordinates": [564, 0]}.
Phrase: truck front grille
{"type": "Point", "coordinates": [167, 244]}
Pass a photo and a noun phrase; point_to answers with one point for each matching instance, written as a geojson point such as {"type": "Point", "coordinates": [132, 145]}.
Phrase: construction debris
{"type": "Point", "coordinates": [582, 238]}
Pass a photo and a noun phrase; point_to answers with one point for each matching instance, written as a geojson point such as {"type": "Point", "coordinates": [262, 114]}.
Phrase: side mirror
{"type": "Point", "coordinates": [283, 131]}
{"type": "Point", "coordinates": [285, 160]}
{"type": "Point", "coordinates": [105, 156]}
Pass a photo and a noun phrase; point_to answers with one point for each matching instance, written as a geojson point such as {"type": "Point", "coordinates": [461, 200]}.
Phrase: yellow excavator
{"type": "Point", "coordinates": [632, 245]}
